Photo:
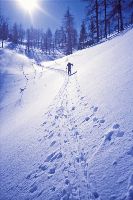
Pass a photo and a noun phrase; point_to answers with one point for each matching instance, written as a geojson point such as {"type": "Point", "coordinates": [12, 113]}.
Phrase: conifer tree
{"type": "Point", "coordinates": [15, 34]}
{"type": "Point", "coordinates": [3, 30]}
{"type": "Point", "coordinates": [69, 31]}
{"type": "Point", "coordinates": [49, 40]}
{"type": "Point", "coordinates": [93, 11]}
{"type": "Point", "coordinates": [83, 36]}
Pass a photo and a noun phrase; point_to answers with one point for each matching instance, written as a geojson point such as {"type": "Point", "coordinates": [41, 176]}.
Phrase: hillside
{"type": "Point", "coordinates": [68, 137]}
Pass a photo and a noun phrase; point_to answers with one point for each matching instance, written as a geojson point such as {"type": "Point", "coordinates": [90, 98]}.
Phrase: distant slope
{"type": "Point", "coordinates": [79, 147]}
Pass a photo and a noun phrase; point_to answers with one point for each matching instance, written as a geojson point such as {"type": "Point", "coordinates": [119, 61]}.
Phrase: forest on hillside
{"type": "Point", "coordinates": [103, 18]}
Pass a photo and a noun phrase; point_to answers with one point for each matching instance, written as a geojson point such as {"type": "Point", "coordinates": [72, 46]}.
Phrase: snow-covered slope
{"type": "Point", "coordinates": [68, 137]}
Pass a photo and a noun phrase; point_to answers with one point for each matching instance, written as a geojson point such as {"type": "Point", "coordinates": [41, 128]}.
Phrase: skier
{"type": "Point", "coordinates": [69, 68]}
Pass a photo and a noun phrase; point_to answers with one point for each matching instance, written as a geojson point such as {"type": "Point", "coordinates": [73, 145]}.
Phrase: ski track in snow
{"type": "Point", "coordinates": [64, 132]}
{"type": "Point", "coordinates": [69, 157]}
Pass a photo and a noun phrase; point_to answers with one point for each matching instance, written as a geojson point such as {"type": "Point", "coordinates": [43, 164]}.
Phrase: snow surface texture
{"type": "Point", "coordinates": [68, 137]}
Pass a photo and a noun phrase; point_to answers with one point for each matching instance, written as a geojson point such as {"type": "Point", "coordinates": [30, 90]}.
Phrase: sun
{"type": "Point", "coordinates": [29, 5]}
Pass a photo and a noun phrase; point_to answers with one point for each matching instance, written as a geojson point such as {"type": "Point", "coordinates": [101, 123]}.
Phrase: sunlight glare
{"type": "Point", "coordinates": [29, 5]}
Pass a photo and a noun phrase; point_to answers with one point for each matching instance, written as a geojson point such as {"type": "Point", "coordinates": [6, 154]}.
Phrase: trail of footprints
{"type": "Point", "coordinates": [71, 190]}
{"type": "Point", "coordinates": [55, 161]}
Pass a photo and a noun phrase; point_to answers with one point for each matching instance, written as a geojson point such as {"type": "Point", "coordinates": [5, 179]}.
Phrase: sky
{"type": "Point", "coordinates": [50, 15]}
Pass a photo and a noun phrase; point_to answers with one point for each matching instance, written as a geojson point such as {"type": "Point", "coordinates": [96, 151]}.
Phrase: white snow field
{"type": "Point", "coordinates": [68, 138]}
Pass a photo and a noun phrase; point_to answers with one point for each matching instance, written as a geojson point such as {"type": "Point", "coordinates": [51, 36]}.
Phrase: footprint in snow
{"type": "Point", "coordinates": [95, 119]}
{"type": "Point", "coordinates": [115, 163]}
{"type": "Point", "coordinates": [40, 193]}
{"type": "Point", "coordinates": [43, 167]}
{"type": "Point", "coordinates": [115, 131]}
{"type": "Point", "coordinates": [60, 111]}
{"type": "Point", "coordinates": [130, 152]}
{"type": "Point", "coordinates": [98, 122]}
{"type": "Point", "coordinates": [49, 115]}
{"type": "Point", "coordinates": [116, 126]}
{"type": "Point", "coordinates": [44, 123]}
{"type": "Point", "coordinates": [53, 189]}
{"type": "Point", "coordinates": [51, 135]}
{"type": "Point", "coordinates": [53, 124]}
{"type": "Point", "coordinates": [53, 157]}
{"type": "Point", "coordinates": [102, 121]}
{"type": "Point", "coordinates": [82, 98]}
{"type": "Point", "coordinates": [53, 143]}
{"type": "Point", "coordinates": [48, 159]}
{"type": "Point", "coordinates": [94, 108]}
{"type": "Point", "coordinates": [73, 108]}
{"type": "Point", "coordinates": [96, 195]}
{"type": "Point", "coordinates": [120, 133]}
{"type": "Point", "coordinates": [22, 90]}
{"type": "Point", "coordinates": [86, 119]}
{"type": "Point", "coordinates": [64, 192]}
{"type": "Point", "coordinates": [108, 135]}
{"type": "Point", "coordinates": [67, 181]}
{"type": "Point", "coordinates": [56, 116]}
{"type": "Point", "coordinates": [76, 133]}
{"type": "Point", "coordinates": [57, 156]}
{"type": "Point", "coordinates": [33, 174]}
{"type": "Point", "coordinates": [52, 170]}
{"type": "Point", "coordinates": [33, 189]}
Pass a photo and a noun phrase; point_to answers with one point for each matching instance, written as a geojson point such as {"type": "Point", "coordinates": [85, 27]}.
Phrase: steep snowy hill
{"type": "Point", "coordinates": [68, 137]}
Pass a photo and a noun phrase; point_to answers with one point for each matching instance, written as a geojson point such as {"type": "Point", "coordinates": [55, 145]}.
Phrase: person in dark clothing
{"type": "Point", "coordinates": [69, 65]}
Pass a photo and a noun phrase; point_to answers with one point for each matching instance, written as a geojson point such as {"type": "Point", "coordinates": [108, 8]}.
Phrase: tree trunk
{"type": "Point", "coordinates": [2, 43]}
{"type": "Point", "coordinates": [105, 18]}
{"type": "Point", "coordinates": [118, 20]}
{"type": "Point", "coordinates": [120, 14]}
{"type": "Point", "coordinates": [97, 20]}
{"type": "Point", "coordinates": [109, 28]}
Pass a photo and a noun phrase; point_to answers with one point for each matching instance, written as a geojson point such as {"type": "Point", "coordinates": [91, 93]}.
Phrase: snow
{"type": "Point", "coordinates": [37, 54]}
{"type": "Point", "coordinates": [68, 137]}
{"type": "Point", "coordinates": [129, 195]}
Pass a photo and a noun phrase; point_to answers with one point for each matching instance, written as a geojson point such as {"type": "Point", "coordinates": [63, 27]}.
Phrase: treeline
{"type": "Point", "coordinates": [103, 17]}
{"type": "Point", "coordinates": [65, 38]}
